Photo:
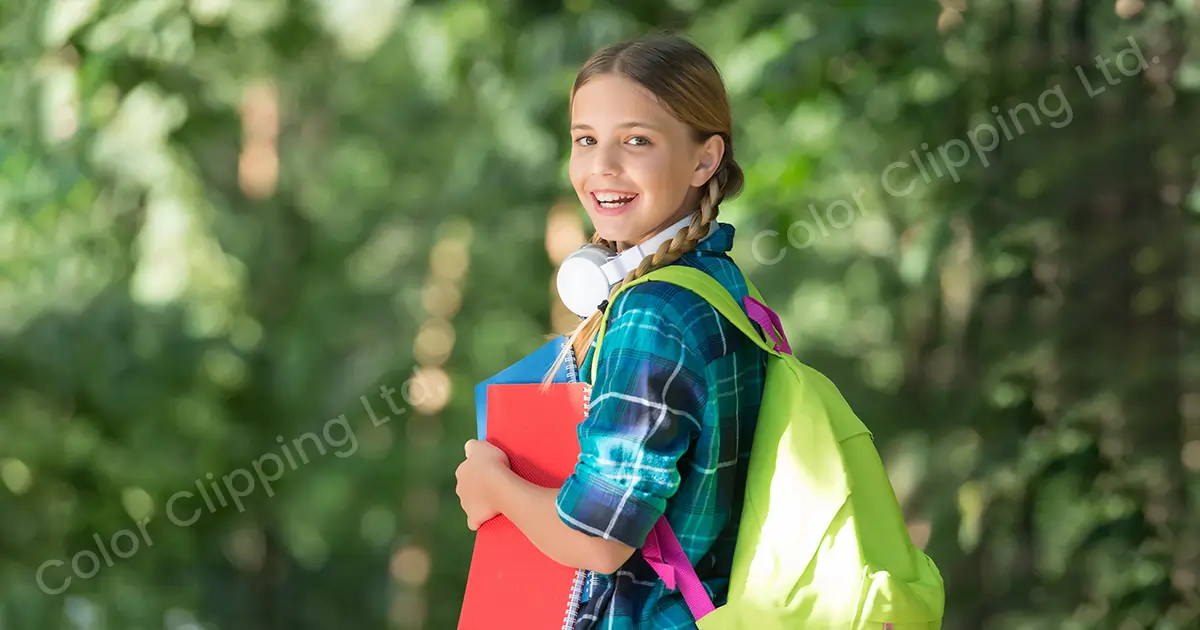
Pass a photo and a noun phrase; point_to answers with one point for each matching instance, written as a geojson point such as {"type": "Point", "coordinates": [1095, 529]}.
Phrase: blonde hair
{"type": "Point", "coordinates": [687, 83]}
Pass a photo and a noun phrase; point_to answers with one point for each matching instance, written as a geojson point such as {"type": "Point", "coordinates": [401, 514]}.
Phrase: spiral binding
{"type": "Point", "coordinates": [573, 602]}
{"type": "Point", "coordinates": [572, 375]}
{"type": "Point", "coordinates": [576, 597]}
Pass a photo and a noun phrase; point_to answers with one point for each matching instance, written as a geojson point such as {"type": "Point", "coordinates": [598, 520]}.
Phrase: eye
{"type": "Point", "coordinates": [585, 141]}
{"type": "Point", "coordinates": [641, 141]}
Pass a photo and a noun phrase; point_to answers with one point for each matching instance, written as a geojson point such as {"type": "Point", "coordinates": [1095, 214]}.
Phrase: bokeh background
{"type": "Point", "coordinates": [225, 225]}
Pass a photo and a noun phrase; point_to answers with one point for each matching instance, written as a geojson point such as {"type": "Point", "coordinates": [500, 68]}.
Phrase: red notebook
{"type": "Point", "coordinates": [511, 584]}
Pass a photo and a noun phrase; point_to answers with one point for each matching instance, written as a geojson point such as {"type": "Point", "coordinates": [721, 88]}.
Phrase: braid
{"type": "Point", "coordinates": [599, 240]}
{"type": "Point", "coordinates": [670, 251]}
{"type": "Point", "coordinates": [683, 242]}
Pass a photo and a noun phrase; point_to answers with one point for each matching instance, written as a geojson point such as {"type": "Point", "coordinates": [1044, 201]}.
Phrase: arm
{"type": "Point", "coordinates": [647, 404]}
{"type": "Point", "coordinates": [646, 407]}
{"type": "Point", "coordinates": [532, 509]}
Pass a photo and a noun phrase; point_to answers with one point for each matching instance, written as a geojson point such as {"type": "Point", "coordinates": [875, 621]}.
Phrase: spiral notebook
{"type": "Point", "coordinates": [511, 584]}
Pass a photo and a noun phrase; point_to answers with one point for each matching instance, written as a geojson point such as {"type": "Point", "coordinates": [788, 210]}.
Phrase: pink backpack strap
{"type": "Point", "coordinates": [762, 315]}
{"type": "Point", "coordinates": [664, 554]}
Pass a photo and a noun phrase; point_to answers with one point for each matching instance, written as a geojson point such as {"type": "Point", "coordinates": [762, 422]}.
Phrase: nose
{"type": "Point", "coordinates": [605, 160]}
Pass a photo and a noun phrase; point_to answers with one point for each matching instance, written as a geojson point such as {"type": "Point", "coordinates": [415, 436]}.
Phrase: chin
{"type": "Point", "coordinates": [613, 231]}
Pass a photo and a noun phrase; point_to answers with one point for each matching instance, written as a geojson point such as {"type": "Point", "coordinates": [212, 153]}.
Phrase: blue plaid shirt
{"type": "Point", "coordinates": [673, 413]}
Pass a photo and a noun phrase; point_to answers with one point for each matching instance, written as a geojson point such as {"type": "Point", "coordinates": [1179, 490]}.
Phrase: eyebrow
{"type": "Point", "coordinates": [625, 125]}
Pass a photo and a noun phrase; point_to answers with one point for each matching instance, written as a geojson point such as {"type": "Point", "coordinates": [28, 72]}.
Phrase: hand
{"type": "Point", "coordinates": [484, 465]}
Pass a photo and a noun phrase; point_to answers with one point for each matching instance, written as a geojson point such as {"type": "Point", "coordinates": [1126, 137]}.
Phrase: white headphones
{"type": "Point", "coordinates": [588, 275]}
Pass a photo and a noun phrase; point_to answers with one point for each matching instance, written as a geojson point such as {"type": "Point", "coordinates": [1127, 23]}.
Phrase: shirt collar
{"type": "Point", "coordinates": [719, 241]}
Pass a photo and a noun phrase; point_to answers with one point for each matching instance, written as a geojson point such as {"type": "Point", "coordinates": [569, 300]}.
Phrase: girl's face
{"type": "Point", "coordinates": [636, 168]}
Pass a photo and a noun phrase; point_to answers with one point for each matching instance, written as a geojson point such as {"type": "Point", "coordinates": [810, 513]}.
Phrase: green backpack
{"type": "Point", "coordinates": [822, 543]}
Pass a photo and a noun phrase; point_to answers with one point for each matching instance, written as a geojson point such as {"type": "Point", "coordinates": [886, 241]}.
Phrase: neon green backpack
{"type": "Point", "coordinates": [822, 544]}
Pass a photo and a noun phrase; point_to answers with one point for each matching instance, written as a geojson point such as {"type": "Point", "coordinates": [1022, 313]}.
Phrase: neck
{"type": "Point", "coordinates": [672, 220]}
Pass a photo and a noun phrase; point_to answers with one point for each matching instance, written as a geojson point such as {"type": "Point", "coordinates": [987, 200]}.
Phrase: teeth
{"type": "Point", "coordinates": [612, 197]}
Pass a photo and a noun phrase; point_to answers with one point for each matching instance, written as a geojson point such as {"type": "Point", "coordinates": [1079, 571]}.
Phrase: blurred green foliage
{"type": "Point", "coordinates": [226, 225]}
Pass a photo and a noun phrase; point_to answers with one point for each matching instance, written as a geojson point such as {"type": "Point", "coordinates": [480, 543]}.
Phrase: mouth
{"type": "Point", "coordinates": [613, 201]}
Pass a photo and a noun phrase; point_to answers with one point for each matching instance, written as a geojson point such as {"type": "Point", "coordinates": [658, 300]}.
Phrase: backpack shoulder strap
{"type": "Point", "coordinates": [708, 289]}
{"type": "Point", "coordinates": [662, 550]}
{"type": "Point", "coordinates": [752, 289]}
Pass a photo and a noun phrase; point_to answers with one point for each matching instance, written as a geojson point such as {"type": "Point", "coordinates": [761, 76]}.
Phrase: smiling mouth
{"type": "Point", "coordinates": [613, 201]}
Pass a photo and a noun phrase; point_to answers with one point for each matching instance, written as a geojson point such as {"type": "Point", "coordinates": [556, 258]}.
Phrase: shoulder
{"type": "Point", "coordinates": [654, 315]}
{"type": "Point", "coordinates": [657, 300]}
{"type": "Point", "coordinates": [661, 313]}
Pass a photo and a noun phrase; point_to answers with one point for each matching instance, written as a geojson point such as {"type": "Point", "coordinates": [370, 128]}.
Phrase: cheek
{"type": "Point", "coordinates": [575, 173]}
{"type": "Point", "coordinates": [666, 178]}
{"type": "Point", "coordinates": [650, 174]}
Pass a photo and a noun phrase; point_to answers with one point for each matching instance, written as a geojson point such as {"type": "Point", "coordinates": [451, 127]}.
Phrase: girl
{"type": "Point", "coordinates": [677, 389]}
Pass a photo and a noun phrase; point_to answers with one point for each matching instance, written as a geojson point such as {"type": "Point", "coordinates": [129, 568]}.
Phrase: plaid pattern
{"type": "Point", "coordinates": [673, 412]}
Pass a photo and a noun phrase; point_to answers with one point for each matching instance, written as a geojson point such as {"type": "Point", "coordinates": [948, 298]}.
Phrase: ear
{"type": "Point", "coordinates": [709, 158]}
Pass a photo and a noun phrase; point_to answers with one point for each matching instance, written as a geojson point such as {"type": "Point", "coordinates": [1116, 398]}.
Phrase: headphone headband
{"type": "Point", "coordinates": [587, 276]}
{"type": "Point", "coordinates": [620, 265]}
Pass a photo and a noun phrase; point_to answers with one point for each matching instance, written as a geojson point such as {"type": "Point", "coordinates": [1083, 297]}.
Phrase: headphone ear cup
{"type": "Point", "coordinates": [581, 282]}
{"type": "Point", "coordinates": [597, 253]}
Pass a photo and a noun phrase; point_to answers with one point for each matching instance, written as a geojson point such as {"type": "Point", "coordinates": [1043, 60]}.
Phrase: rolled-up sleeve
{"type": "Point", "coordinates": [647, 404]}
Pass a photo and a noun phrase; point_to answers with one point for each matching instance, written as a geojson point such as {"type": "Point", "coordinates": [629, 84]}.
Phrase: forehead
{"type": "Point", "coordinates": [613, 99]}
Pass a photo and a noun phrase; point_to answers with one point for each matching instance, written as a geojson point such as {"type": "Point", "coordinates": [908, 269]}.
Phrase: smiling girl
{"type": "Point", "coordinates": [677, 387]}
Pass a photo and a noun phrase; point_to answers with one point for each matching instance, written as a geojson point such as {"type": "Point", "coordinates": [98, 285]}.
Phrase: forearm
{"type": "Point", "coordinates": [532, 509]}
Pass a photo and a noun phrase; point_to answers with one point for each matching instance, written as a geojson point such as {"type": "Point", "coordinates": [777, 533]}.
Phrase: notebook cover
{"type": "Point", "coordinates": [511, 584]}
{"type": "Point", "coordinates": [529, 369]}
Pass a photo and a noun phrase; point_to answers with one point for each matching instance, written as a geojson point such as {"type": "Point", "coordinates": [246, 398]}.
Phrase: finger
{"type": "Point", "coordinates": [469, 447]}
